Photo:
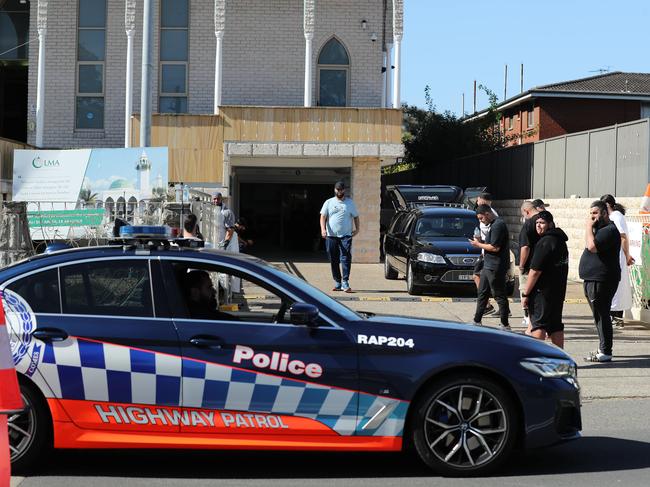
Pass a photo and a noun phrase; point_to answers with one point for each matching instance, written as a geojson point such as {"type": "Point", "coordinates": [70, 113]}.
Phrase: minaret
{"type": "Point", "coordinates": [144, 168]}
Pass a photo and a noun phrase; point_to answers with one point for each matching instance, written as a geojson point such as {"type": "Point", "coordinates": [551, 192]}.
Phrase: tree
{"type": "Point", "coordinates": [432, 138]}
{"type": "Point", "coordinates": [87, 196]}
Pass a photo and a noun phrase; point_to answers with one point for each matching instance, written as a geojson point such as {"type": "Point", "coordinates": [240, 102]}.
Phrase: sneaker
{"type": "Point", "coordinates": [347, 289]}
{"type": "Point", "coordinates": [337, 287]}
{"type": "Point", "coordinates": [618, 323]}
{"type": "Point", "coordinates": [477, 323]}
{"type": "Point", "coordinates": [503, 327]}
{"type": "Point", "coordinates": [598, 356]}
{"type": "Point", "coordinates": [489, 310]}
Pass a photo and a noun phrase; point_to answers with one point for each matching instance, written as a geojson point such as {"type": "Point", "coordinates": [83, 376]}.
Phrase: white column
{"type": "Point", "coordinates": [218, 77]}
{"type": "Point", "coordinates": [397, 102]}
{"type": "Point", "coordinates": [129, 26]}
{"type": "Point", "coordinates": [219, 27]}
{"type": "Point", "coordinates": [389, 74]}
{"type": "Point", "coordinates": [384, 73]}
{"type": "Point", "coordinates": [308, 25]}
{"type": "Point", "coordinates": [41, 22]}
{"type": "Point", "coordinates": [398, 31]}
{"type": "Point", "coordinates": [308, 71]}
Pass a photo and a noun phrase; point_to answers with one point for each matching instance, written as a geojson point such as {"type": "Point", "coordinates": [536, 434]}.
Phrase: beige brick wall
{"type": "Point", "coordinates": [366, 189]}
{"type": "Point", "coordinates": [569, 214]}
{"type": "Point", "coordinates": [263, 60]}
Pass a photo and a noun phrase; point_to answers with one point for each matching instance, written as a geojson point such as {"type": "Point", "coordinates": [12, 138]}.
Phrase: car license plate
{"type": "Point", "coordinates": [465, 277]}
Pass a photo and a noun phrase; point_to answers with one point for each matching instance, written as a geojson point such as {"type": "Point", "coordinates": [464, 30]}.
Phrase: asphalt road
{"type": "Point", "coordinates": [615, 450]}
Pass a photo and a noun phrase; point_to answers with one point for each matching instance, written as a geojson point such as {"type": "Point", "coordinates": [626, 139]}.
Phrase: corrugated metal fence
{"type": "Point", "coordinates": [589, 164]}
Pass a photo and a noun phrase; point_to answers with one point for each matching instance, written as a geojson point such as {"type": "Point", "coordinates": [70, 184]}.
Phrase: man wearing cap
{"type": "Point", "coordinates": [545, 287]}
{"type": "Point", "coordinates": [528, 238]}
{"type": "Point", "coordinates": [540, 205]}
{"type": "Point", "coordinates": [336, 225]}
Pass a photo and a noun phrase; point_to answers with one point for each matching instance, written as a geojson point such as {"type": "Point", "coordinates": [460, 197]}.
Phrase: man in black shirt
{"type": "Point", "coordinates": [600, 270]}
{"type": "Point", "coordinates": [496, 261]}
{"type": "Point", "coordinates": [545, 288]}
{"type": "Point", "coordinates": [528, 237]}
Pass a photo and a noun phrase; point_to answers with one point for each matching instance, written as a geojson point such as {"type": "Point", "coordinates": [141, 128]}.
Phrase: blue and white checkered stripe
{"type": "Point", "coordinates": [86, 370]}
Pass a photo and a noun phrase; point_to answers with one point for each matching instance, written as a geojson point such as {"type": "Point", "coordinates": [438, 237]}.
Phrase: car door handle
{"type": "Point", "coordinates": [50, 334]}
{"type": "Point", "coordinates": [203, 341]}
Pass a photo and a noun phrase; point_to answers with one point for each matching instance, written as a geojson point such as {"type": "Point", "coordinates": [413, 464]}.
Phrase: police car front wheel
{"type": "Point", "coordinates": [465, 425]}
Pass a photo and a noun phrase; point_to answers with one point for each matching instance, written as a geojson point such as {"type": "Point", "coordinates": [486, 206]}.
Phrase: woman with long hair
{"type": "Point", "coordinates": [623, 298]}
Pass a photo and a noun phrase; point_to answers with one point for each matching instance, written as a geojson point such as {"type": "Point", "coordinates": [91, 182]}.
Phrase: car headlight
{"type": "Point", "coordinates": [431, 258]}
{"type": "Point", "coordinates": [552, 367]}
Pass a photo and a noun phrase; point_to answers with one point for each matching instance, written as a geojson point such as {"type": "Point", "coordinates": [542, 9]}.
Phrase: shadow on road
{"type": "Point", "coordinates": [587, 455]}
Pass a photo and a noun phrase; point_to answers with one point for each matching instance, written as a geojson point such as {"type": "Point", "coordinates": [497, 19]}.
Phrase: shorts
{"type": "Point", "coordinates": [478, 267]}
{"type": "Point", "coordinates": [545, 312]}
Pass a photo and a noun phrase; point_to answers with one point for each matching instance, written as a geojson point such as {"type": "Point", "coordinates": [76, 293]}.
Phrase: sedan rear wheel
{"type": "Point", "coordinates": [465, 425]}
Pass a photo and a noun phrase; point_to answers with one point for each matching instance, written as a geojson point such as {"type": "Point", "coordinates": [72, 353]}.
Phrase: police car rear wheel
{"type": "Point", "coordinates": [465, 426]}
{"type": "Point", "coordinates": [30, 431]}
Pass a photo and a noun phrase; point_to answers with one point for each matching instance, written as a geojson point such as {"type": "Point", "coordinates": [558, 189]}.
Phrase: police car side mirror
{"type": "Point", "coordinates": [303, 314]}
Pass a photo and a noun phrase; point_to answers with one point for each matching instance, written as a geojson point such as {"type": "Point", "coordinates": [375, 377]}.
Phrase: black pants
{"type": "Point", "coordinates": [600, 295]}
{"type": "Point", "coordinates": [494, 283]}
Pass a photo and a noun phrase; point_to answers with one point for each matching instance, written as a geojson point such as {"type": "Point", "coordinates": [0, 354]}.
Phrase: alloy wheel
{"type": "Point", "coordinates": [465, 426]}
{"type": "Point", "coordinates": [22, 429]}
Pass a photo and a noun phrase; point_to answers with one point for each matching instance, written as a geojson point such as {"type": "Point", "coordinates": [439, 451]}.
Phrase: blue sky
{"type": "Point", "coordinates": [449, 43]}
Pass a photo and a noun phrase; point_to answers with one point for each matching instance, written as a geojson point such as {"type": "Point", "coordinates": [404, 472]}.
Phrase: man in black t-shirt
{"type": "Point", "coordinates": [495, 265]}
{"type": "Point", "coordinates": [600, 270]}
{"type": "Point", "coordinates": [528, 237]}
{"type": "Point", "coordinates": [545, 288]}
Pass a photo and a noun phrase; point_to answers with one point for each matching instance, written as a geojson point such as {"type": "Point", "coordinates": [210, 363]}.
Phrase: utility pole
{"type": "Point", "coordinates": [147, 69]}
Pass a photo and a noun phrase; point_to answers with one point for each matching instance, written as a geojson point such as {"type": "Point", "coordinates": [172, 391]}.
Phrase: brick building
{"type": "Point", "coordinates": [573, 106]}
{"type": "Point", "coordinates": [272, 100]}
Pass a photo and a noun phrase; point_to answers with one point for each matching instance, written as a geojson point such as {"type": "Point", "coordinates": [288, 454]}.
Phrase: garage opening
{"type": "Point", "coordinates": [283, 216]}
{"type": "Point", "coordinates": [282, 208]}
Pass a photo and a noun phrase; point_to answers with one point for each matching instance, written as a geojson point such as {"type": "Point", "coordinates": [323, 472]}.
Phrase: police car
{"type": "Point", "coordinates": [110, 355]}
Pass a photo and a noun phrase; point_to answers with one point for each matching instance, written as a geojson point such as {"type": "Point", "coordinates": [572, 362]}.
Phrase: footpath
{"type": "Point", "coordinates": [628, 376]}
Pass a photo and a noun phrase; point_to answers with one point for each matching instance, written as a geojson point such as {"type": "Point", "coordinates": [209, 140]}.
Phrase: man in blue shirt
{"type": "Point", "coordinates": [336, 217]}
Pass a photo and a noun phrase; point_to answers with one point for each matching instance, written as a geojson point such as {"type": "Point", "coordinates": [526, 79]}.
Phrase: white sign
{"type": "Point", "coordinates": [635, 238]}
{"type": "Point", "coordinates": [49, 175]}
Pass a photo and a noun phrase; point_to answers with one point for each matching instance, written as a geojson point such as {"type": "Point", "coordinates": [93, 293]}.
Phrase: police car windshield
{"type": "Point", "coordinates": [445, 226]}
{"type": "Point", "coordinates": [315, 293]}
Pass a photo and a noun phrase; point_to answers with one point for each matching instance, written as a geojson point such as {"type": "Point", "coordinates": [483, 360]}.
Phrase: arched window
{"type": "Point", "coordinates": [333, 74]}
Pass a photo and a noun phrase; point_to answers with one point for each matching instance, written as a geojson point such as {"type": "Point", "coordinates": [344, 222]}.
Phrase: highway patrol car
{"type": "Point", "coordinates": [110, 355]}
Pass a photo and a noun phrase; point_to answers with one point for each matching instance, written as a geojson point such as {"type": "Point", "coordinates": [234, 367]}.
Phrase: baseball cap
{"type": "Point", "coordinates": [537, 203]}
{"type": "Point", "coordinates": [544, 215]}
{"type": "Point", "coordinates": [339, 185]}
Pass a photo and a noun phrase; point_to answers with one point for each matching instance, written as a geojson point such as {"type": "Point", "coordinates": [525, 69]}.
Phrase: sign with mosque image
{"type": "Point", "coordinates": [85, 187]}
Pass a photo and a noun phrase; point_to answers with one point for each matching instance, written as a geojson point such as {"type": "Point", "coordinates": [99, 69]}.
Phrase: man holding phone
{"type": "Point", "coordinates": [600, 270]}
{"type": "Point", "coordinates": [496, 260]}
